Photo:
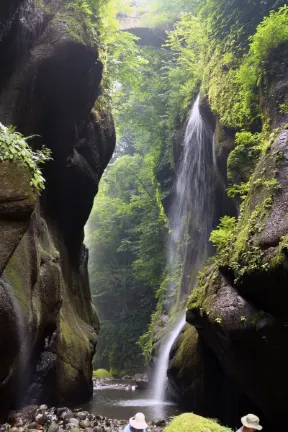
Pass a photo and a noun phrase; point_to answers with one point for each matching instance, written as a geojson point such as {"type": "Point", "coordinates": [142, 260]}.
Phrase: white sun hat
{"type": "Point", "coordinates": [138, 422]}
{"type": "Point", "coordinates": [251, 421]}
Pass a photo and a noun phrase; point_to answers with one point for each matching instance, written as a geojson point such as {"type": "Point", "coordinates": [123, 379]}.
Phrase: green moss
{"type": "Point", "coordinates": [76, 25]}
{"type": "Point", "coordinates": [194, 423]}
{"type": "Point", "coordinates": [102, 373]}
{"type": "Point", "coordinates": [232, 80]}
{"type": "Point", "coordinates": [243, 159]}
{"type": "Point", "coordinates": [186, 356]}
{"type": "Point", "coordinates": [13, 275]}
{"type": "Point", "coordinates": [209, 279]}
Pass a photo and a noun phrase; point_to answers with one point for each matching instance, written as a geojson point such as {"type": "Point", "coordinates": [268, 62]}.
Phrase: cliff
{"type": "Point", "coordinates": [49, 83]}
{"type": "Point", "coordinates": [230, 358]}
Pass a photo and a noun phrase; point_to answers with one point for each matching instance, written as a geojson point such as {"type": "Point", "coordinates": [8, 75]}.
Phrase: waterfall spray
{"type": "Point", "coordinates": [191, 221]}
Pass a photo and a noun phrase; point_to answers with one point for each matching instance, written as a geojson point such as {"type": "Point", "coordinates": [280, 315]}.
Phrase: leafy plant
{"type": "Point", "coordinates": [222, 235]}
{"type": "Point", "coordinates": [14, 148]}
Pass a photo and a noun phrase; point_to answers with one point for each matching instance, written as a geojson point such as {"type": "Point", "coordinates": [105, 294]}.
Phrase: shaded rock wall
{"type": "Point", "coordinates": [49, 82]}
{"type": "Point", "coordinates": [239, 307]}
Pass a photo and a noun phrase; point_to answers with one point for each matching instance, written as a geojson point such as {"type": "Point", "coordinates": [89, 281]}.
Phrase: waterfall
{"type": "Point", "coordinates": [192, 212]}
{"type": "Point", "coordinates": [163, 361]}
{"type": "Point", "coordinates": [191, 222]}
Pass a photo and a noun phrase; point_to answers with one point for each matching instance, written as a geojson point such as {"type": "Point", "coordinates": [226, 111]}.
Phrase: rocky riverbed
{"type": "Point", "coordinates": [41, 418]}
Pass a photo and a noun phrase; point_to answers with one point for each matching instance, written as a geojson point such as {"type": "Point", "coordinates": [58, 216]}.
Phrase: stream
{"type": "Point", "coordinates": [113, 401]}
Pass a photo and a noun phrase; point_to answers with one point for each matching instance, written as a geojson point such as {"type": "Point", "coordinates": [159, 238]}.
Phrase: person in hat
{"type": "Point", "coordinates": [251, 423]}
{"type": "Point", "coordinates": [136, 424]}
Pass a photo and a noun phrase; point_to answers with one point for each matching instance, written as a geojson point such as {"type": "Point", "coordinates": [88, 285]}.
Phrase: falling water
{"type": "Point", "coordinates": [191, 221]}
{"type": "Point", "coordinates": [163, 361]}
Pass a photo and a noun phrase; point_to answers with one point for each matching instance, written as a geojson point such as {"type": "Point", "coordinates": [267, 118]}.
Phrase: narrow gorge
{"type": "Point", "coordinates": [157, 264]}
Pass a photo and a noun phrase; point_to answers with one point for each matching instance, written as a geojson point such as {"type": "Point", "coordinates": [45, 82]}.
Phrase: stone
{"type": "Point", "coordinates": [32, 425]}
{"type": "Point", "coordinates": [84, 424]}
{"type": "Point", "coordinates": [160, 423]}
{"type": "Point", "coordinates": [74, 421]}
{"type": "Point", "coordinates": [60, 411]}
{"type": "Point", "coordinates": [41, 419]}
{"type": "Point", "coordinates": [43, 407]}
{"type": "Point", "coordinates": [82, 415]}
{"type": "Point", "coordinates": [66, 415]}
{"type": "Point", "coordinates": [53, 427]}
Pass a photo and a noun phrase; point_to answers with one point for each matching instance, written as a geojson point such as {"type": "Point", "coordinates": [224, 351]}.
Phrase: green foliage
{"type": "Point", "coordinates": [13, 147]}
{"type": "Point", "coordinates": [102, 373]}
{"type": "Point", "coordinates": [193, 423]}
{"type": "Point", "coordinates": [242, 160]}
{"type": "Point", "coordinates": [232, 79]}
{"type": "Point", "coordinates": [222, 235]}
{"type": "Point", "coordinates": [126, 236]}
{"type": "Point", "coordinates": [284, 108]}
{"type": "Point", "coordinates": [188, 42]}
{"type": "Point", "coordinates": [226, 46]}
{"type": "Point", "coordinates": [164, 13]}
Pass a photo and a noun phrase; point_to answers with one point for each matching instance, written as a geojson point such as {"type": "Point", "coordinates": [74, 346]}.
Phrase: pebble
{"type": "Point", "coordinates": [82, 415]}
{"type": "Point", "coordinates": [66, 415]}
{"type": "Point", "coordinates": [43, 407]}
{"type": "Point", "coordinates": [54, 427]}
{"type": "Point", "coordinates": [74, 421]}
{"type": "Point", "coordinates": [32, 425]}
{"type": "Point", "coordinates": [41, 419]}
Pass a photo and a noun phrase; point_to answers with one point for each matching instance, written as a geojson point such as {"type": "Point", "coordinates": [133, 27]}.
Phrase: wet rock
{"type": "Point", "coordinates": [161, 423]}
{"type": "Point", "coordinates": [82, 415]}
{"type": "Point", "coordinates": [67, 415]}
{"type": "Point", "coordinates": [19, 422]}
{"type": "Point", "coordinates": [84, 424]}
{"type": "Point", "coordinates": [54, 427]}
{"type": "Point", "coordinates": [74, 421]}
{"type": "Point", "coordinates": [60, 411]}
{"type": "Point", "coordinates": [41, 419]}
{"type": "Point", "coordinates": [43, 407]}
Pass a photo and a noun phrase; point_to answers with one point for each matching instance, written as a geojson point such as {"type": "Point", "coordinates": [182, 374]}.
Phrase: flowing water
{"type": "Point", "coordinates": [163, 361]}
{"type": "Point", "coordinates": [192, 212]}
{"type": "Point", "coordinates": [113, 401]}
{"type": "Point", "coordinates": [191, 222]}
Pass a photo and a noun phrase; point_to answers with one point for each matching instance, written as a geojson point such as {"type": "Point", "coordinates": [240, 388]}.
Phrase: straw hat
{"type": "Point", "coordinates": [138, 422]}
{"type": "Point", "coordinates": [251, 421]}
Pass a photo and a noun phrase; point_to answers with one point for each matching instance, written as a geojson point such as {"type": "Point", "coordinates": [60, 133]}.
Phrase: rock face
{"type": "Point", "coordinates": [49, 82]}
{"type": "Point", "coordinates": [239, 306]}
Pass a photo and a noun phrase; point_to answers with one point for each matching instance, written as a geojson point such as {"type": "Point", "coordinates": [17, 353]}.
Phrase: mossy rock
{"type": "Point", "coordinates": [102, 373]}
{"type": "Point", "coordinates": [194, 423]}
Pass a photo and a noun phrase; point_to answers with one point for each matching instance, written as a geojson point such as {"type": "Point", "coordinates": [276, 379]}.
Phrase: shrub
{"type": "Point", "coordinates": [243, 159]}
{"type": "Point", "coordinates": [102, 373]}
{"type": "Point", "coordinates": [222, 235]}
{"type": "Point", "coordinates": [194, 423]}
{"type": "Point", "coordinates": [13, 147]}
